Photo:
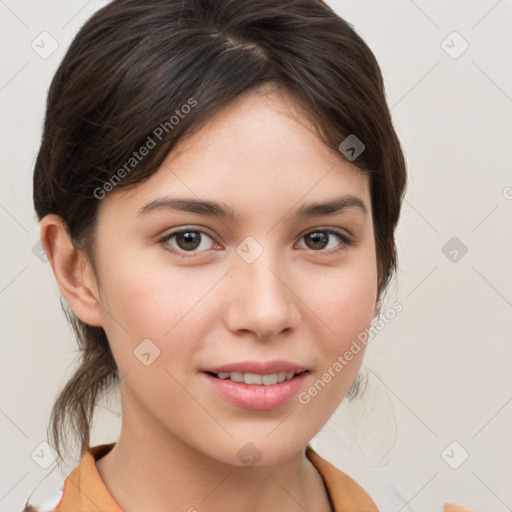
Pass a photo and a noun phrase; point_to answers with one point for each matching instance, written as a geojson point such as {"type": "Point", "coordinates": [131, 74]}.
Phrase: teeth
{"type": "Point", "coordinates": [254, 378]}
{"type": "Point", "coordinates": [268, 380]}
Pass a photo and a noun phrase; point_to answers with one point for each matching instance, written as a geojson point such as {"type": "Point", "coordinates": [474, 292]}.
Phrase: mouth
{"type": "Point", "coordinates": [256, 379]}
{"type": "Point", "coordinates": [257, 386]}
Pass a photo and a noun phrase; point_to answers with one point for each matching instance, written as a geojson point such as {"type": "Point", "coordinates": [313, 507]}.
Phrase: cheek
{"type": "Point", "coordinates": [345, 301]}
{"type": "Point", "coordinates": [345, 307]}
{"type": "Point", "coordinates": [156, 303]}
{"type": "Point", "coordinates": [348, 311]}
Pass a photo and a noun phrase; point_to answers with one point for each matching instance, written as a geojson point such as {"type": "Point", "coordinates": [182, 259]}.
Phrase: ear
{"type": "Point", "coordinates": [377, 308]}
{"type": "Point", "coordinates": [377, 299]}
{"type": "Point", "coordinates": [72, 270]}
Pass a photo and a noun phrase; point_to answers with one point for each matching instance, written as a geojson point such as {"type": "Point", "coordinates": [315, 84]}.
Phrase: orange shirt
{"type": "Point", "coordinates": [84, 491]}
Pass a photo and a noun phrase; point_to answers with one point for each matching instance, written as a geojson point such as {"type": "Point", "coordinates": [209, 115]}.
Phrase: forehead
{"type": "Point", "coordinates": [258, 152]}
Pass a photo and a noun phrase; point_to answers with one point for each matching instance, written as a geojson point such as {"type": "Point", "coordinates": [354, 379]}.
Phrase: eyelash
{"type": "Point", "coordinates": [346, 241]}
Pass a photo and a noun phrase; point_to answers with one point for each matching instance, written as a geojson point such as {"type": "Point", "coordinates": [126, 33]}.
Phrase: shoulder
{"type": "Point", "coordinates": [345, 493]}
{"type": "Point", "coordinates": [82, 489]}
{"type": "Point", "coordinates": [47, 494]}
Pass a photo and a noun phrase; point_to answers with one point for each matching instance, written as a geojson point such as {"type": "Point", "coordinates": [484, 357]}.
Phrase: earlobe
{"type": "Point", "coordinates": [377, 308]}
{"type": "Point", "coordinates": [378, 298]}
{"type": "Point", "coordinates": [72, 271]}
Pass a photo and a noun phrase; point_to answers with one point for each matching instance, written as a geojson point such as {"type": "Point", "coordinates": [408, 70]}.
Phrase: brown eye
{"type": "Point", "coordinates": [320, 239]}
{"type": "Point", "coordinates": [186, 241]}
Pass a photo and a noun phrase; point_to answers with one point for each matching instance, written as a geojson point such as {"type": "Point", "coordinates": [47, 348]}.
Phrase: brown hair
{"type": "Point", "coordinates": [136, 62]}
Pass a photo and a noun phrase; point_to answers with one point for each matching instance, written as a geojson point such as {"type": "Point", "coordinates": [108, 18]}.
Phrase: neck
{"type": "Point", "coordinates": [150, 469]}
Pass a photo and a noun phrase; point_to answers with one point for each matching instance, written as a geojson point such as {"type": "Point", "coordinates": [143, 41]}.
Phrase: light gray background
{"type": "Point", "coordinates": [440, 372]}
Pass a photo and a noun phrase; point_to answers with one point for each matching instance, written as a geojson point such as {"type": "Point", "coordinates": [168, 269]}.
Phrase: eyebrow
{"type": "Point", "coordinates": [223, 211]}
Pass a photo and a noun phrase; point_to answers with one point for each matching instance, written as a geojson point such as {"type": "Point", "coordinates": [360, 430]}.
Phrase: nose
{"type": "Point", "coordinates": [260, 299]}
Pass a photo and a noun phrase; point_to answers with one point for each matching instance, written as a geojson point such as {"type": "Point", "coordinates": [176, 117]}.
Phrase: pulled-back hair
{"type": "Point", "coordinates": [135, 63]}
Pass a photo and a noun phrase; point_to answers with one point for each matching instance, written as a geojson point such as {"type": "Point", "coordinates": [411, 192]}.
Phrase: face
{"type": "Point", "coordinates": [266, 291]}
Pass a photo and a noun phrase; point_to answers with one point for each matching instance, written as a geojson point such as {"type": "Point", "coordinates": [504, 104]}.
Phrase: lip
{"type": "Point", "coordinates": [256, 397]}
{"type": "Point", "coordinates": [261, 368]}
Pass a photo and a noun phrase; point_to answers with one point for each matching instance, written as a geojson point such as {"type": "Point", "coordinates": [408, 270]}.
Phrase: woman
{"type": "Point", "coordinates": [218, 186]}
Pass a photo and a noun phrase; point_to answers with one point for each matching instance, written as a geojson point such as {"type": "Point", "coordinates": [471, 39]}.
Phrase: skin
{"type": "Point", "coordinates": [179, 440]}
